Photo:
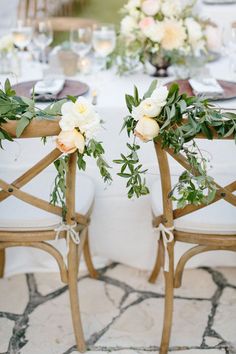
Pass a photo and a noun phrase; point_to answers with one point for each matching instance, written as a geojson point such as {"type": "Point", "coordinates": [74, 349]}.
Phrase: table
{"type": "Point", "coordinates": [121, 229]}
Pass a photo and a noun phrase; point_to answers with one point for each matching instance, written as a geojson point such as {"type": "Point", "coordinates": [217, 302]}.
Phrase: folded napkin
{"type": "Point", "coordinates": [208, 87]}
{"type": "Point", "coordinates": [48, 88]}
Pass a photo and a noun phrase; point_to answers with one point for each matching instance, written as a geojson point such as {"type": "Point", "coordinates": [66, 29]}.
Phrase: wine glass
{"type": "Point", "coordinates": [43, 37]}
{"type": "Point", "coordinates": [22, 36]}
{"type": "Point", "coordinates": [104, 41]}
{"type": "Point", "coordinates": [80, 40]}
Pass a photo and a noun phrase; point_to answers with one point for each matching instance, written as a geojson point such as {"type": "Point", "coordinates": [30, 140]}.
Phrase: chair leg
{"type": "Point", "coordinates": [88, 259]}
{"type": "Point", "coordinates": [2, 262]}
{"type": "Point", "coordinates": [73, 263]}
{"type": "Point", "coordinates": [158, 263]}
{"type": "Point", "coordinates": [169, 298]}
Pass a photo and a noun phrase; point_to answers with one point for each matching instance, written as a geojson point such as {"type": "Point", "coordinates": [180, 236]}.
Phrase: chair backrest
{"type": "Point", "coordinates": [169, 213]}
{"type": "Point", "coordinates": [64, 24]}
{"type": "Point", "coordinates": [38, 129]}
{"type": "Point", "coordinates": [30, 9]}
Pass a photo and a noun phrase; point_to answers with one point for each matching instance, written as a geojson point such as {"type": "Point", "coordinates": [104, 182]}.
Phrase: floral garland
{"type": "Point", "coordinates": [79, 125]}
{"type": "Point", "coordinates": [157, 30]}
{"type": "Point", "coordinates": [175, 120]}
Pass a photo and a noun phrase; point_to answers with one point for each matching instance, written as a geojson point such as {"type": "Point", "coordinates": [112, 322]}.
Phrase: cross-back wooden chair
{"type": "Point", "coordinates": [175, 225]}
{"type": "Point", "coordinates": [36, 237]}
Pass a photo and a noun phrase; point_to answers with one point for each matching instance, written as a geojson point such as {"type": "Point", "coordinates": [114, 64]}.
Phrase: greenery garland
{"type": "Point", "coordinates": [180, 120]}
{"type": "Point", "coordinates": [24, 110]}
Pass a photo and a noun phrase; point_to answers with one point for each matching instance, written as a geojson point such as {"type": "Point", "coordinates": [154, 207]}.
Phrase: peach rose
{"type": "Point", "coordinates": [146, 129]}
{"type": "Point", "coordinates": [69, 141]}
{"type": "Point", "coordinates": [146, 22]}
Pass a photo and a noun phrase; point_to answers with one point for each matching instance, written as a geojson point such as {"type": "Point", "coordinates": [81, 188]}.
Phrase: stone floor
{"type": "Point", "coordinates": [122, 313]}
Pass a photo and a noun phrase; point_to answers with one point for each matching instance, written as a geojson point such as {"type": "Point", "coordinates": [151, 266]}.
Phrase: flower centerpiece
{"type": "Point", "coordinates": [161, 32]}
{"type": "Point", "coordinates": [175, 120]}
{"type": "Point", "coordinates": [79, 123]}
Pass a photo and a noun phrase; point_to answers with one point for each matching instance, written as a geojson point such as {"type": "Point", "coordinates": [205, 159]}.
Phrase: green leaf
{"type": "Point", "coordinates": [8, 90]}
{"type": "Point", "coordinates": [152, 87]}
{"type": "Point", "coordinates": [21, 125]}
{"type": "Point", "coordinates": [206, 131]}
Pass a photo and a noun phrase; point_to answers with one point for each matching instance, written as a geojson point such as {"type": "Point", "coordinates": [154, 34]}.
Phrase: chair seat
{"type": "Point", "coordinates": [218, 218]}
{"type": "Point", "coordinates": [16, 215]}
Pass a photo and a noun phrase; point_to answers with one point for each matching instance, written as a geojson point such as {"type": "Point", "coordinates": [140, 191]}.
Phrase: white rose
{"type": "Point", "coordinates": [171, 8]}
{"type": "Point", "coordinates": [80, 114]}
{"type": "Point", "coordinates": [91, 127]}
{"type": "Point", "coordinates": [151, 7]}
{"type": "Point", "coordinates": [149, 107]}
{"type": "Point", "coordinates": [68, 122]}
{"type": "Point", "coordinates": [146, 129]}
{"type": "Point", "coordinates": [128, 25]}
{"type": "Point", "coordinates": [155, 31]}
{"type": "Point", "coordinates": [194, 30]}
{"type": "Point", "coordinates": [160, 95]}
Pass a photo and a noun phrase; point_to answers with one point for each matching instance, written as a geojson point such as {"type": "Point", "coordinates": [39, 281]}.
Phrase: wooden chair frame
{"type": "Point", "coordinates": [37, 239]}
{"type": "Point", "coordinates": [203, 242]}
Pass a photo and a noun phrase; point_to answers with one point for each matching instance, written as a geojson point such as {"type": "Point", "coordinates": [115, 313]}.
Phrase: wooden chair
{"type": "Point", "coordinates": [176, 225]}
{"type": "Point", "coordinates": [37, 237]}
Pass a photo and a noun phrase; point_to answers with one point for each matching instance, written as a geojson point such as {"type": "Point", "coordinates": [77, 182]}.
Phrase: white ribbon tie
{"type": "Point", "coordinates": [71, 233]}
{"type": "Point", "coordinates": [167, 237]}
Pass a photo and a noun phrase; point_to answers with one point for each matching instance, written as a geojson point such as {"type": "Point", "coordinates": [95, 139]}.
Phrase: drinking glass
{"type": "Point", "coordinates": [80, 40]}
{"type": "Point", "coordinates": [22, 36]}
{"type": "Point", "coordinates": [43, 37]}
{"type": "Point", "coordinates": [104, 41]}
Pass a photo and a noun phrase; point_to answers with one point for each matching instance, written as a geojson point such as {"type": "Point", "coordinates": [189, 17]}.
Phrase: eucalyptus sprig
{"type": "Point", "coordinates": [180, 120]}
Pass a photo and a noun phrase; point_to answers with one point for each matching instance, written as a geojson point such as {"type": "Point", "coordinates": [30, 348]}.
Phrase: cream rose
{"type": "Point", "coordinates": [174, 35]}
{"type": "Point", "coordinates": [69, 141]}
{"type": "Point", "coordinates": [80, 115]}
{"type": "Point", "coordinates": [160, 95]}
{"type": "Point", "coordinates": [171, 8]}
{"type": "Point", "coordinates": [152, 29]}
{"type": "Point", "coordinates": [148, 107]}
{"type": "Point", "coordinates": [128, 25]}
{"type": "Point", "coordinates": [150, 7]}
{"type": "Point", "coordinates": [195, 33]}
{"type": "Point", "coordinates": [146, 129]}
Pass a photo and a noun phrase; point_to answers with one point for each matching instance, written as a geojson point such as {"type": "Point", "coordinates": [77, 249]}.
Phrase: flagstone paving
{"type": "Point", "coordinates": [122, 313]}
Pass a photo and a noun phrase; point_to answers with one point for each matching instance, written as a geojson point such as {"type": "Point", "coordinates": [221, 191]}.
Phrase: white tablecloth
{"type": "Point", "coordinates": [120, 229]}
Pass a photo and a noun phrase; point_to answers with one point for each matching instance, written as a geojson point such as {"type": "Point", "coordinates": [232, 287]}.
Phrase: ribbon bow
{"type": "Point", "coordinates": [167, 237]}
{"type": "Point", "coordinates": [71, 233]}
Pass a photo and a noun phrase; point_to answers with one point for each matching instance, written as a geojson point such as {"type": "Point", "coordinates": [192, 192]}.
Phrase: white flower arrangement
{"type": "Point", "coordinates": [164, 28]}
{"type": "Point", "coordinates": [79, 124]}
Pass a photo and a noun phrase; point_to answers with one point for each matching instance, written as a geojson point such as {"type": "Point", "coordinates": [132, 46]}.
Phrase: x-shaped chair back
{"type": "Point", "coordinates": [203, 242]}
{"type": "Point", "coordinates": [38, 238]}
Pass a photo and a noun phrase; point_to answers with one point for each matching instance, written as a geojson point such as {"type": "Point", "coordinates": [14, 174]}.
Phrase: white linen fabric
{"type": "Point", "coordinates": [120, 228]}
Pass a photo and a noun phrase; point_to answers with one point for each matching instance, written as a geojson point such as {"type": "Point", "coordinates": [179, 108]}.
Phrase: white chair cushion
{"type": "Point", "coordinates": [20, 216]}
{"type": "Point", "coordinates": [219, 217]}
